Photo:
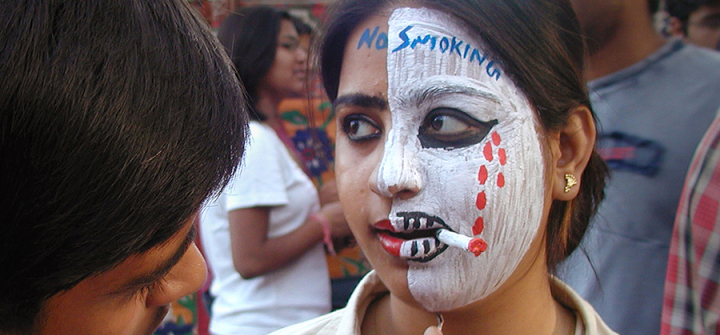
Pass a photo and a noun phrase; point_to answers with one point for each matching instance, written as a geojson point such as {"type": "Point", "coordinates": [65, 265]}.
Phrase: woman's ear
{"type": "Point", "coordinates": [571, 147]}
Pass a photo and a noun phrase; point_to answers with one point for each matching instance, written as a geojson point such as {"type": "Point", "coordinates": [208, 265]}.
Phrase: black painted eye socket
{"type": "Point", "coordinates": [449, 128]}
{"type": "Point", "coordinates": [360, 128]}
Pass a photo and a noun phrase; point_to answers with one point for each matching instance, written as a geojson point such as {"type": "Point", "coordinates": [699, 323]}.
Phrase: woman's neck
{"type": "Point", "coordinates": [268, 105]}
{"type": "Point", "coordinates": [525, 306]}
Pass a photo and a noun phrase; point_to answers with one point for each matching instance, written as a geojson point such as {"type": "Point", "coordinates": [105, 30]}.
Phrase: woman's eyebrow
{"type": "Point", "coordinates": [421, 96]}
{"type": "Point", "coordinates": [361, 100]}
{"type": "Point", "coordinates": [289, 38]}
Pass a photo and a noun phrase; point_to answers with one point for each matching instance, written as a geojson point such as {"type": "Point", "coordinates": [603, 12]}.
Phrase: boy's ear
{"type": "Point", "coordinates": [674, 27]}
{"type": "Point", "coordinates": [571, 148]}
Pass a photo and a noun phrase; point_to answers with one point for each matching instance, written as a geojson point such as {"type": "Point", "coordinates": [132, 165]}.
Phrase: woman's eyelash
{"type": "Point", "coordinates": [366, 127]}
{"type": "Point", "coordinates": [464, 130]}
{"type": "Point", "coordinates": [290, 45]}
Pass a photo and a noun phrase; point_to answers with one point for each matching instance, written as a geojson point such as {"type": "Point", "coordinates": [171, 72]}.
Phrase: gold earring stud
{"type": "Point", "coordinates": [570, 182]}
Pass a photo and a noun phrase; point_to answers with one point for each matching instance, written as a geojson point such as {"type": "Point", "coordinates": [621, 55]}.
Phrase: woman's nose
{"type": "Point", "coordinates": [398, 174]}
{"type": "Point", "coordinates": [301, 54]}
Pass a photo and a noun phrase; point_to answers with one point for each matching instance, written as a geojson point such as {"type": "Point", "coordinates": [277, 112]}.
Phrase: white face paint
{"type": "Point", "coordinates": [441, 84]}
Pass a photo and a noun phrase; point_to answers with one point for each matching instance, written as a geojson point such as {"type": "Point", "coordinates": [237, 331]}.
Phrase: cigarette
{"type": "Point", "coordinates": [475, 245]}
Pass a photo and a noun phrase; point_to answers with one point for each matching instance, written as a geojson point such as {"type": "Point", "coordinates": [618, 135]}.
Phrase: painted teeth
{"type": "Point", "coordinates": [417, 221]}
{"type": "Point", "coordinates": [420, 248]}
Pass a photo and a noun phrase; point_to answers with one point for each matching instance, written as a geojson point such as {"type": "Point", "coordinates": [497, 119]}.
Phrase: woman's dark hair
{"type": "Point", "coordinates": [117, 120]}
{"type": "Point", "coordinates": [544, 37]}
{"type": "Point", "coordinates": [250, 37]}
{"type": "Point", "coordinates": [302, 27]}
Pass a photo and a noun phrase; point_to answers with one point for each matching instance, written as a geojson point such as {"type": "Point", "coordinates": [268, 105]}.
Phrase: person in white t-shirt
{"type": "Point", "coordinates": [263, 235]}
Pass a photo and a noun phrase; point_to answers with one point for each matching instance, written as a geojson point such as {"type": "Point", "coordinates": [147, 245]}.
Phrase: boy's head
{"type": "Point", "coordinates": [602, 21]}
{"type": "Point", "coordinates": [117, 120]}
{"type": "Point", "coordinates": [696, 20]}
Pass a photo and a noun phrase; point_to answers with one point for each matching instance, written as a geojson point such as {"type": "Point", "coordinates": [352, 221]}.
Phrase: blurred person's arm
{"type": "Point", "coordinates": [254, 254]}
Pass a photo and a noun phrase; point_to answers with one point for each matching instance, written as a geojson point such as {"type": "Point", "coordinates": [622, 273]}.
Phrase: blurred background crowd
{"type": "Point", "coordinates": [649, 152]}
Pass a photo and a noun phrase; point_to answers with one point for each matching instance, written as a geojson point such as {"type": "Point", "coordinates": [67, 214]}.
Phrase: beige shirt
{"type": "Point", "coordinates": [347, 321]}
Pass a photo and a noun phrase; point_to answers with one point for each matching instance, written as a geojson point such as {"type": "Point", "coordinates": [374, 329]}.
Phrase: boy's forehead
{"type": "Point", "coordinates": [141, 269]}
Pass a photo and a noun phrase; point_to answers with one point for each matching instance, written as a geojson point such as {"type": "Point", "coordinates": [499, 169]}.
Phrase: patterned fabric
{"type": "Point", "coordinates": [314, 138]}
{"type": "Point", "coordinates": [692, 302]}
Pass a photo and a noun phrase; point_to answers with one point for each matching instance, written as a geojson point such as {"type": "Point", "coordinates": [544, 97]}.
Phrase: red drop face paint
{"type": "Point", "coordinates": [482, 175]}
{"type": "Point", "coordinates": [503, 156]}
{"type": "Point", "coordinates": [501, 180]}
{"type": "Point", "coordinates": [481, 200]}
{"type": "Point", "coordinates": [488, 152]}
{"type": "Point", "coordinates": [478, 226]}
{"type": "Point", "coordinates": [495, 138]}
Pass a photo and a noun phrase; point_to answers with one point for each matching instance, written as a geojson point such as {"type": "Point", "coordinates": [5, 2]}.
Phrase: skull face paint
{"type": "Point", "coordinates": [465, 137]}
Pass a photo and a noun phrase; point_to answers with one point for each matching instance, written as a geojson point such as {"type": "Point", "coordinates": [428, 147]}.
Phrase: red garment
{"type": "Point", "coordinates": [691, 303]}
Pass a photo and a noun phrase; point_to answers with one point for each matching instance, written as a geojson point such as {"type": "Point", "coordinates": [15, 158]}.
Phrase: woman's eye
{"type": "Point", "coordinates": [444, 124]}
{"type": "Point", "coordinates": [360, 128]}
{"type": "Point", "coordinates": [449, 128]}
{"type": "Point", "coordinates": [290, 45]}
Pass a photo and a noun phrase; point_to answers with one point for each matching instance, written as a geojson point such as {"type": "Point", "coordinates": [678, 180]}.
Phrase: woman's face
{"type": "Point", "coordinates": [287, 76]}
{"type": "Point", "coordinates": [432, 134]}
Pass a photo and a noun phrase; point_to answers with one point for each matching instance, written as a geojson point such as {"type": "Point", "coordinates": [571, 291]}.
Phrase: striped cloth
{"type": "Point", "coordinates": [692, 301]}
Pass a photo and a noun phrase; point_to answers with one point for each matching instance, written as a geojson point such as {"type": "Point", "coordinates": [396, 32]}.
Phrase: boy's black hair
{"type": "Point", "coordinates": [681, 9]}
{"type": "Point", "coordinates": [117, 120]}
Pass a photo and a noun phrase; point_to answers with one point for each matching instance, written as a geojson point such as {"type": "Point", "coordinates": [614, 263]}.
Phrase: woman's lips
{"type": "Point", "coordinates": [412, 237]}
{"type": "Point", "coordinates": [390, 243]}
{"type": "Point", "coordinates": [384, 225]}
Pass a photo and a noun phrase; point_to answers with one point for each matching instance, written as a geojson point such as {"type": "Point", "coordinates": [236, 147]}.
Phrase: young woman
{"type": "Point", "coordinates": [464, 162]}
{"type": "Point", "coordinates": [263, 235]}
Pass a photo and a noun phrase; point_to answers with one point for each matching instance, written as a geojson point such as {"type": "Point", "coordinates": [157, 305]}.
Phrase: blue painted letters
{"type": "Point", "coordinates": [444, 44]}
{"type": "Point", "coordinates": [379, 40]}
{"type": "Point", "coordinates": [382, 41]}
{"type": "Point", "coordinates": [368, 38]}
{"type": "Point", "coordinates": [451, 43]}
{"type": "Point", "coordinates": [495, 73]}
{"type": "Point", "coordinates": [456, 46]}
{"type": "Point", "coordinates": [424, 40]}
{"type": "Point", "coordinates": [476, 54]}
{"type": "Point", "coordinates": [404, 37]}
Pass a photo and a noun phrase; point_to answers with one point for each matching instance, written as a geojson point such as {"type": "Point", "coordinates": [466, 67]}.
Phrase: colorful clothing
{"type": "Point", "coordinates": [311, 126]}
{"type": "Point", "coordinates": [692, 299]}
{"type": "Point", "coordinates": [348, 321]}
